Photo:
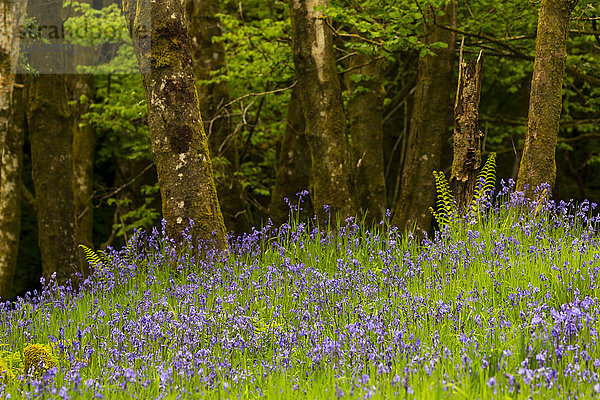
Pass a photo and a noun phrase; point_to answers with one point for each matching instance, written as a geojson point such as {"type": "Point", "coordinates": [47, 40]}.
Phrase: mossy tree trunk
{"type": "Point", "coordinates": [538, 162]}
{"type": "Point", "coordinates": [209, 58]}
{"type": "Point", "coordinates": [321, 95]}
{"type": "Point", "coordinates": [51, 136]}
{"type": "Point", "coordinates": [467, 135]}
{"type": "Point", "coordinates": [12, 14]}
{"type": "Point", "coordinates": [365, 110]}
{"type": "Point", "coordinates": [10, 199]}
{"type": "Point", "coordinates": [293, 169]}
{"type": "Point", "coordinates": [179, 143]}
{"type": "Point", "coordinates": [429, 124]}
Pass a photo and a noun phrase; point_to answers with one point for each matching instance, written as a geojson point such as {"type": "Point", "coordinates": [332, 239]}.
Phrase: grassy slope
{"type": "Point", "coordinates": [504, 306]}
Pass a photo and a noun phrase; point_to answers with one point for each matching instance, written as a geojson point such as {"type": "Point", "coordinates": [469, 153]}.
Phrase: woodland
{"type": "Point", "coordinates": [299, 199]}
{"type": "Point", "coordinates": [355, 102]}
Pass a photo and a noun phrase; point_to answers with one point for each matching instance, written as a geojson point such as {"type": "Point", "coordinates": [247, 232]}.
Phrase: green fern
{"type": "Point", "coordinates": [486, 182]}
{"type": "Point", "coordinates": [94, 258]}
{"type": "Point", "coordinates": [445, 200]}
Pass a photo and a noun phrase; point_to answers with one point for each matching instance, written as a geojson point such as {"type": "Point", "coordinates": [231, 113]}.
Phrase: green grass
{"type": "Point", "coordinates": [295, 312]}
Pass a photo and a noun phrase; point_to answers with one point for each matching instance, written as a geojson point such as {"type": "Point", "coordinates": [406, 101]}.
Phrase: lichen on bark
{"type": "Point", "coordinates": [179, 143]}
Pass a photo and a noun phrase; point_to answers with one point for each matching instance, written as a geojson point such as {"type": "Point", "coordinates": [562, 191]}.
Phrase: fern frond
{"type": "Point", "coordinates": [445, 200]}
{"type": "Point", "coordinates": [94, 258]}
{"type": "Point", "coordinates": [486, 182]}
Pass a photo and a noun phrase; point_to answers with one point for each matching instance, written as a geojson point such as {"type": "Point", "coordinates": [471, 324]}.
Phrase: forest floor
{"type": "Point", "coordinates": [498, 305]}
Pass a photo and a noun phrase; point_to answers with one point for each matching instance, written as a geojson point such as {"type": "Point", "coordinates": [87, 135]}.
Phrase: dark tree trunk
{"type": "Point", "coordinates": [51, 137]}
{"type": "Point", "coordinates": [10, 199]}
{"type": "Point", "coordinates": [365, 109]}
{"type": "Point", "coordinates": [84, 141]}
{"type": "Point", "coordinates": [538, 162]}
{"type": "Point", "coordinates": [430, 120]}
{"type": "Point", "coordinates": [12, 14]}
{"type": "Point", "coordinates": [467, 136]}
{"type": "Point", "coordinates": [321, 96]}
{"type": "Point", "coordinates": [81, 90]}
{"type": "Point", "coordinates": [209, 57]}
{"type": "Point", "coordinates": [293, 171]}
{"type": "Point", "coordinates": [179, 143]}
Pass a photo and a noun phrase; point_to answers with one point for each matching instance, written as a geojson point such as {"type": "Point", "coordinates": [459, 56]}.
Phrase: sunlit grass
{"type": "Point", "coordinates": [504, 304]}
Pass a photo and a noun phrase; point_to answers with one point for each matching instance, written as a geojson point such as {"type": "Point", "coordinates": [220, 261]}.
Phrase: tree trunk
{"type": "Point", "coordinates": [81, 88]}
{"type": "Point", "coordinates": [51, 138]}
{"type": "Point", "coordinates": [84, 141]}
{"type": "Point", "coordinates": [538, 162]}
{"type": "Point", "coordinates": [430, 119]}
{"type": "Point", "coordinates": [10, 198]}
{"type": "Point", "coordinates": [209, 58]}
{"type": "Point", "coordinates": [321, 96]}
{"type": "Point", "coordinates": [12, 14]}
{"type": "Point", "coordinates": [467, 136]}
{"type": "Point", "coordinates": [366, 126]}
{"type": "Point", "coordinates": [293, 171]}
{"type": "Point", "coordinates": [179, 143]}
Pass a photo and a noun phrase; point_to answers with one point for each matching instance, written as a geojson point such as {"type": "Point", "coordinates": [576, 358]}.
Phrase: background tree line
{"type": "Point", "coordinates": [354, 101]}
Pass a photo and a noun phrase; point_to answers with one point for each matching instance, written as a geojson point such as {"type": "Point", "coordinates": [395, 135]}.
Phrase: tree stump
{"type": "Point", "coordinates": [467, 136]}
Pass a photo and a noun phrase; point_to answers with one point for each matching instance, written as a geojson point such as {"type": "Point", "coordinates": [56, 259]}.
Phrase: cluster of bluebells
{"type": "Point", "coordinates": [504, 305]}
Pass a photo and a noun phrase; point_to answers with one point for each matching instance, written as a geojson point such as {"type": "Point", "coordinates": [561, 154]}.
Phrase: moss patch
{"type": "Point", "coordinates": [38, 358]}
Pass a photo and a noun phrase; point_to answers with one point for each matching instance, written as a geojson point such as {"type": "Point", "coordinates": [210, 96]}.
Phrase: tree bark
{"type": "Point", "coordinates": [81, 88]}
{"type": "Point", "coordinates": [51, 137]}
{"type": "Point", "coordinates": [209, 58]}
{"type": "Point", "coordinates": [538, 162]}
{"type": "Point", "coordinates": [467, 136]}
{"type": "Point", "coordinates": [326, 132]}
{"type": "Point", "coordinates": [10, 194]}
{"type": "Point", "coordinates": [12, 15]}
{"type": "Point", "coordinates": [293, 171]}
{"type": "Point", "coordinates": [84, 141]}
{"type": "Point", "coordinates": [365, 110]}
{"type": "Point", "coordinates": [429, 124]}
{"type": "Point", "coordinates": [179, 143]}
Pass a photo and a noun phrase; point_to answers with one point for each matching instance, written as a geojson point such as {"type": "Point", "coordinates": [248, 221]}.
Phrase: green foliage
{"type": "Point", "coordinates": [446, 206]}
{"type": "Point", "coordinates": [256, 38]}
{"type": "Point", "coordinates": [486, 183]}
{"type": "Point", "coordinates": [101, 29]}
{"type": "Point", "coordinates": [445, 200]}
{"type": "Point", "coordinates": [95, 258]}
{"type": "Point", "coordinates": [6, 375]}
